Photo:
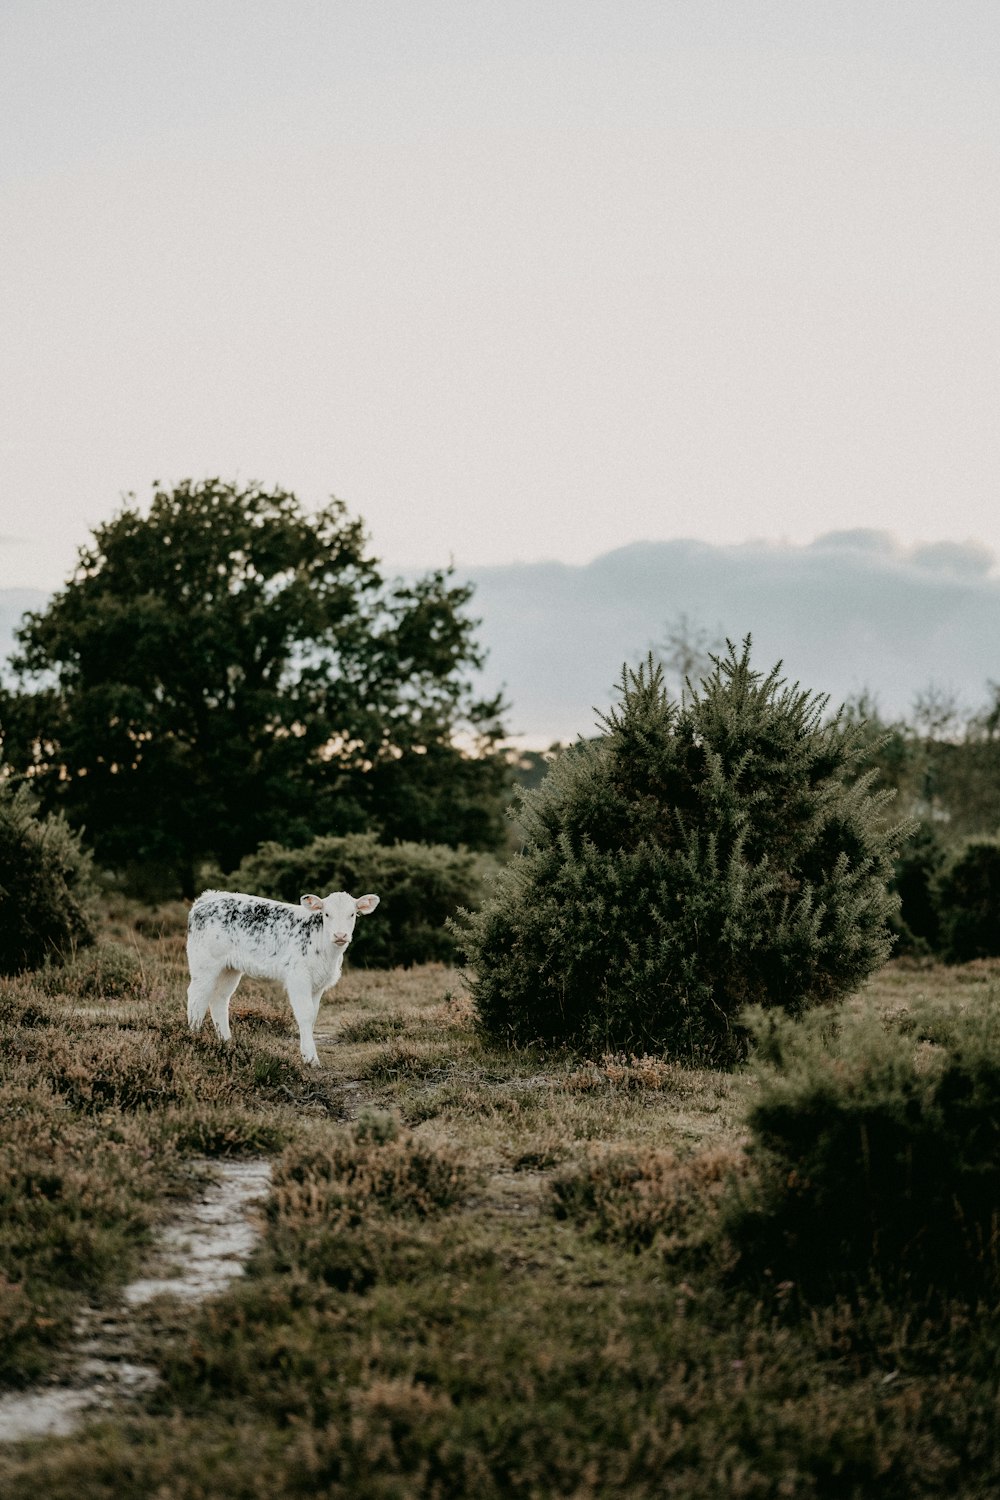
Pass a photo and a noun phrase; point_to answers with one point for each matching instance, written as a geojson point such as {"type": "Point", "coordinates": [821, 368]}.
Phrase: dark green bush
{"type": "Point", "coordinates": [419, 885]}
{"type": "Point", "coordinates": [697, 858]}
{"type": "Point", "coordinates": [918, 864]}
{"type": "Point", "coordinates": [46, 885]}
{"type": "Point", "coordinates": [968, 897]}
{"type": "Point", "coordinates": [876, 1146]}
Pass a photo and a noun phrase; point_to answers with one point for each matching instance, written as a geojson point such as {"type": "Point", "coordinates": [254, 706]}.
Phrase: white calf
{"type": "Point", "coordinates": [230, 935]}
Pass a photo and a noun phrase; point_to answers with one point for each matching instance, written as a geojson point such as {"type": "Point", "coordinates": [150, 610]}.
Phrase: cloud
{"type": "Point", "coordinates": [876, 543]}
{"type": "Point", "coordinates": [852, 611]}
{"type": "Point", "coordinates": [969, 558]}
{"type": "Point", "coordinates": [943, 557]}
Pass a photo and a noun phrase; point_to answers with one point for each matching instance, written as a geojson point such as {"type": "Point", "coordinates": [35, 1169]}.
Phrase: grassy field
{"type": "Point", "coordinates": [480, 1273]}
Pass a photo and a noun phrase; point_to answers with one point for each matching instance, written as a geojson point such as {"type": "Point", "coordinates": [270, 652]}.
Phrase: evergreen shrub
{"type": "Point", "coordinates": [697, 858]}
{"type": "Point", "coordinates": [419, 885]}
{"type": "Point", "coordinates": [968, 899]}
{"type": "Point", "coordinates": [46, 885]}
{"type": "Point", "coordinates": [875, 1146]}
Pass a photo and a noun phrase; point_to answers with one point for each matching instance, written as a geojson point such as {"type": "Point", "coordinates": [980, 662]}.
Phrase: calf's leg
{"type": "Point", "coordinates": [225, 987]}
{"type": "Point", "coordinates": [200, 992]}
{"type": "Point", "coordinates": [301, 998]}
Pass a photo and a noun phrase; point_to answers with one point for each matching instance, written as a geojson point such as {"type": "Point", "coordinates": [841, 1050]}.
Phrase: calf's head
{"type": "Point", "coordinates": [340, 912]}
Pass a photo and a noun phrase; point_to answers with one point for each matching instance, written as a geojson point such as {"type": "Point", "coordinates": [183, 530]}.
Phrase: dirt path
{"type": "Point", "coordinates": [197, 1255]}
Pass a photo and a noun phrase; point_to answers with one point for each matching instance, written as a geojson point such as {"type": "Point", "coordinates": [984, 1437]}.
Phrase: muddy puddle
{"type": "Point", "coordinates": [196, 1256]}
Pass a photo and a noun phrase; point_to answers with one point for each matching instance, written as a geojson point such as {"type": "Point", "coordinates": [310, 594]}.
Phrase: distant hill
{"type": "Point", "coordinates": [849, 612]}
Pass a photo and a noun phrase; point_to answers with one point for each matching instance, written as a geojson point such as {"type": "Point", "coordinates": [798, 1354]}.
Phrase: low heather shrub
{"type": "Point", "coordinates": [646, 1197]}
{"type": "Point", "coordinates": [876, 1146]}
{"type": "Point", "coordinates": [108, 971]}
{"type": "Point", "coordinates": [226, 1131]}
{"type": "Point", "coordinates": [372, 1029]}
{"type": "Point", "coordinates": [337, 1195]}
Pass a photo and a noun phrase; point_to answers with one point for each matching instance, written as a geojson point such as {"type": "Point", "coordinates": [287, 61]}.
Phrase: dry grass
{"type": "Point", "coordinates": [906, 982]}
{"type": "Point", "coordinates": [483, 1272]}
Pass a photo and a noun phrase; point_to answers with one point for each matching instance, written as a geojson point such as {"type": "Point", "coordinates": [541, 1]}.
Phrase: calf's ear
{"type": "Point", "coordinates": [366, 904]}
{"type": "Point", "coordinates": [313, 903]}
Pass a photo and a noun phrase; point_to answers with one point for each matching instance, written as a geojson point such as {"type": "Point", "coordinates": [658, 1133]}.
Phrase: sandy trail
{"type": "Point", "coordinates": [197, 1255]}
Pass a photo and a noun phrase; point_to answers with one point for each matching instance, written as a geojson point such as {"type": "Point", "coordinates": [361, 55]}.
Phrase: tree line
{"type": "Point", "coordinates": [226, 669]}
{"type": "Point", "coordinates": [942, 764]}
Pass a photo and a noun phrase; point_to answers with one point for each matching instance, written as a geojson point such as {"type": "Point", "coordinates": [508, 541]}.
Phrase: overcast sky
{"type": "Point", "coordinates": [516, 280]}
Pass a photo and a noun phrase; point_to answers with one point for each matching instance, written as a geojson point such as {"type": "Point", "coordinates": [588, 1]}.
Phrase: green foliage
{"type": "Point", "coordinates": [698, 858]}
{"type": "Point", "coordinates": [949, 899]}
{"type": "Point", "coordinates": [917, 866]}
{"type": "Point", "coordinates": [419, 885]}
{"type": "Point", "coordinates": [46, 884]}
{"type": "Point", "coordinates": [968, 897]}
{"type": "Point", "coordinates": [877, 1148]}
{"type": "Point", "coordinates": [945, 767]}
{"type": "Point", "coordinates": [230, 668]}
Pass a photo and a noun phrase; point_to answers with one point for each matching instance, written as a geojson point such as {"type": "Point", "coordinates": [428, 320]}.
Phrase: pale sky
{"type": "Point", "coordinates": [515, 280]}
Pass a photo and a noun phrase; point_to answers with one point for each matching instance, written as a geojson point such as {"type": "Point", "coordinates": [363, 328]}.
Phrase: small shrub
{"type": "Point", "coordinates": [877, 1152]}
{"type": "Point", "coordinates": [420, 886]}
{"type": "Point", "coordinates": [624, 1075]}
{"type": "Point", "coordinates": [699, 857]}
{"type": "Point", "coordinates": [113, 1069]}
{"type": "Point", "coordinates": [372, 1029]}
{"type": "Point", "coordinates": [642, 1198]}
{"type": "Point", "coordinates": [333, 1195]}
{"type": "Point", "coordinates": [378, 1125]}
{"type": "Point", "coordinates": [193, 1131]}
{"type": "Point", "coordinates": [342, 1176]}
{"type": "Point", "coordinates": [46, 884]}
{"type": "Point", "coordinates": [141, 1070]}
{"type": "Point", "coordinates": [968, 895]}
{"type": "Point", "coordinates": [269, 1071]}
{"type": "Point", "coordinates": [109, 971]}
{"type": "Point", "coordinates": [259, 1015]}
{"type": "Point", "coordinates": [19, 1007]}
{"type": "Point", "coordinates": [404, 1059]}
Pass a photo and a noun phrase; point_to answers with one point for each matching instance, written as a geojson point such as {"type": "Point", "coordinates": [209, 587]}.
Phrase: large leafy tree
{"type": "Point", "coordinates": [229, 668]}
